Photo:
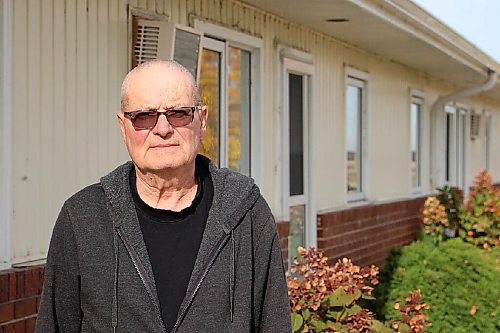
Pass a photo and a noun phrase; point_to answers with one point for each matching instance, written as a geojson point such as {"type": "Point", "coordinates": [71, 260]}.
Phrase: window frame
{"type": "Point", "coordinates": [488, 119]}
{"type": "Point", "coordinates": [457, 169]}
{"type": "Point", "coordinates": [255, 46]}
{"type": "Point", "coordinates": [293, 61]}
{"type": "Point", "coordinates": [359, 79]}
{"type": "Point", "coordinates": [418, 99]}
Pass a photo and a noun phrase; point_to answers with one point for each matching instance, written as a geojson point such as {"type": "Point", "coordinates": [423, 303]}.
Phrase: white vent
{"type": "Point", "coordinates": [146, 44]}
{"type": "Point", "coordinates": [168, 41]}
{"type": "Point", "coordinates": [475, 120]}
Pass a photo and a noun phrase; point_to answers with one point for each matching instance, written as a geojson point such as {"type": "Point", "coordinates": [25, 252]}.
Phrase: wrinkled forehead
{"type": "Point", "coordinates": [158, 86]}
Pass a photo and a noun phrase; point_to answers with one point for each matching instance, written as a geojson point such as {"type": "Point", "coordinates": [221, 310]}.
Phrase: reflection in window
{"type": "Point", "coordinates": [239, 110]}
{"type": "Point", "coordinates": [354, 138]}
{"type": "Point", "coordinates": [450, 146]}
{"type": "Point", "coordinates": [415, 145]}
{"type": "Point", "coordinates": [487, 138]}
{"type": "Point", "coordinates": [210, 96]}
{"type": "Point", "coordinates": [297, 235]}
{"type": "Point", "coordinates": [296, 106]}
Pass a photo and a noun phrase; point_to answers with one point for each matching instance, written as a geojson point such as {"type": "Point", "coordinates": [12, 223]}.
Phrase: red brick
{"type": "Point", "coordinates": [25, 307]}
{"type": "Point", "coordinates": [12, 286]}
{"type": "Point", "coordinates": [30, 325]}
{"type": "Point", "coordinates": [6, 312]}
{"type": "Point", "coordinates": [4, 287]}
{"type": "Point", "coordinates": [20, 284]}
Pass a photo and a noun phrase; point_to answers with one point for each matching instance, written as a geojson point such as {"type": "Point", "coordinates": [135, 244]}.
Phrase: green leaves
{"type": "Point", "coordinates": [340, 298]}
{"type": "Point", "coordinates": [297, 322]}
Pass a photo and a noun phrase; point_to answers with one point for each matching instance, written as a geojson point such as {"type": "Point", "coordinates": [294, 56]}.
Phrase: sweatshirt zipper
{"type": "Point", "coordinates": [222, 242]}
{"type": "Point", "coordinates": [142, 274]}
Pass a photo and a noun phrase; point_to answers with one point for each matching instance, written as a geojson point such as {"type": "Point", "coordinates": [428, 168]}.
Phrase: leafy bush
{"type": "Point", "coordinates": [452, 198]}
{"type": "Point", "coordinates": [480, 220]}
{"type": "Point", "coordinates": [457, 279]}
{"type": "Point", "coordinates": [327, 298]}
{"type": "Point", "coordinates": [435, 219]}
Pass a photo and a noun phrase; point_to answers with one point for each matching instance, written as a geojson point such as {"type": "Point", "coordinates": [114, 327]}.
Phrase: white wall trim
{"type": "Point", "coordinates": [235, 37]}
{"type": "Point", "coordinates": [6, 140]}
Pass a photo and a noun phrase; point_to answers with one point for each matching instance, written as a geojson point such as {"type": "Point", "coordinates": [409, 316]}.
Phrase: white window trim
{"type": "Point", "coordinates": [488, 119]}
{"type": "Point", "coordinates": [295, 61]}
{"type": "Point", "coordinates": [457, 110]}
{"type": "Point", "coordinates": [417, 97]}
{"type": "Point", "coordinates": [6, 141]}
{"type": "Point", "coordinates": [351, 76]}
{"type": "Point", "coordinates": [255, 46]}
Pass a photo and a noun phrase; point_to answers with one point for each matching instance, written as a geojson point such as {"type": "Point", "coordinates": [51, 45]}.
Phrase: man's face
{"type": "Point", "coordinates": [163, 147]}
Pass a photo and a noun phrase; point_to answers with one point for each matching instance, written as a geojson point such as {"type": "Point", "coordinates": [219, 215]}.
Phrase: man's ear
{"type": "Point", "coordinates": [203, 119]}
{"type": "Point", "coordinates": [121, 122]}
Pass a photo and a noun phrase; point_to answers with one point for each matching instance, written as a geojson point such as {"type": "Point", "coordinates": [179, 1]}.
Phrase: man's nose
{"type": "Point", "coordinates": [162, 127]}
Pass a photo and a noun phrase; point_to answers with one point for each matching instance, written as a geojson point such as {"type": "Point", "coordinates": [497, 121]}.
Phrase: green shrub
{"type": "Point", "coordinates": [459, 281]}
{"type": "Point", "coordinates": [480, 220]}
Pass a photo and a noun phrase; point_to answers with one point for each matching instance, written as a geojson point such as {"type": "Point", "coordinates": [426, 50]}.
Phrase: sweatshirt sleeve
{"type": "Point", "coordinates": [273, 310]}
{"type": "Point", "coordinates": [60, 303]}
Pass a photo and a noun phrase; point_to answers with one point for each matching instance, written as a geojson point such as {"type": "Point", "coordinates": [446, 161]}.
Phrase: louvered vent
{"type": "Point", "coordinates": [167, 41]}
{"type": "Point", "coordinates": [146, 44]}
{"type": "Point", "coordinates": [475, 120]}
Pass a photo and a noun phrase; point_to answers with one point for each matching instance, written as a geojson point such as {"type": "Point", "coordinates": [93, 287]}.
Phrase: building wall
{"type": "Point", "coordinates": [70, 57]}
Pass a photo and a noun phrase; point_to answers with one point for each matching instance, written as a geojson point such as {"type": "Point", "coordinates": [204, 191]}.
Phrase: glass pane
{"type": "Point", "coordinates": [415, 145]}
{"type": "Point", "coordinates": [186, 49]}
{"type": "Point", "coordinates": [450, 147]}
{"type": "Point", "coordinates": [487, 138]}
{"type": "Point", "coordinates": [239, 110]}
{"type": "Point", "coordinates": [460, 159]}
{"type": "Point", "coordinates": [210, 96]}
{"type": "Point", "coordinates": [353, 128]}
{"type": "Point", "coordinates": [296, 105]}
{"type": "Point", "coordinates": [297, 230]}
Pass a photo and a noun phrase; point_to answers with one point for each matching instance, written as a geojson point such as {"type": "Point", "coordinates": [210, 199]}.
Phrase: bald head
{"type": "Point", "coordinates": [144, 71]}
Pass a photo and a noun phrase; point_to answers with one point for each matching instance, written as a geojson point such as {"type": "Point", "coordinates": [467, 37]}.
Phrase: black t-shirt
{"type": "Point", "coordinates": [172, 240]}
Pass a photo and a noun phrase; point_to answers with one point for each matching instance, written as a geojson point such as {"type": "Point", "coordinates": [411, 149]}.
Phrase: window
{"type": "Point", "coordinates": [297, 73]}
{"type": "Point", "coordinates": [416, 143]}
{"type": "Point", "coordinates": [455, 129]}
{"type": "Point", "coordinates": [355, 137]}
{"type": "Point", "coordinates": [225, 89]}
{"type": "Point", "coordinates": [229, 87]}
{"type": "Point", "coordinates": [487, 141]}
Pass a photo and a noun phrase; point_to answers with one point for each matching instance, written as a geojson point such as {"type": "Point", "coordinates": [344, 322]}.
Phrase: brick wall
{"type": "Point", "coordinates": [367, 233]}
{"type": "Point", "coordinates": [283, 232]}
{"type": "Point", "coordinates": [20, 290]}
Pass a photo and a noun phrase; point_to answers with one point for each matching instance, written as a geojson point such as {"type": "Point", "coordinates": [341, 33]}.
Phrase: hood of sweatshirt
{"type": "Point", "coordinates": [234, 196]}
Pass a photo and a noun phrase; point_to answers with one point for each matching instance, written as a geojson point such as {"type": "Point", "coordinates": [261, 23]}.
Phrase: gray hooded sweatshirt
{"type": "Point", "coordinates": [98, 276]}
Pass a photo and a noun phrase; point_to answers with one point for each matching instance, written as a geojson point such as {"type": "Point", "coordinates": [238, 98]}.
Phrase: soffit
{"type": "Point", "coordinates": [396, 30]}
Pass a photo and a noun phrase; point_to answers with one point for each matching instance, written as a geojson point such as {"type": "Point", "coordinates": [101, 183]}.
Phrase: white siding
{"type": "Point", "coordinates": [69, 61]}
{"type": "Point", "coordinates": [70, 57]}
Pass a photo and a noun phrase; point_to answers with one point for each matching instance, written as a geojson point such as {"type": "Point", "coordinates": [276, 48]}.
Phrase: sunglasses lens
{"type": "Point", "coordinates": [176, 117]}
{"type": "Point", "coordinates": [180, 117]}
{"type": "Point", "coordinates": [145, 120]}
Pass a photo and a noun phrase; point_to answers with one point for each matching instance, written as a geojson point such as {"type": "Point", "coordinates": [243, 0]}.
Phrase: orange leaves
{"type": "Point", "coordinates": [434, 216]}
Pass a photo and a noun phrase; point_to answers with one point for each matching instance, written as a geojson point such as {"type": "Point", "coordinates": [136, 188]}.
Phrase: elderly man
{"type": "Point", "coordinates": [167, 242]}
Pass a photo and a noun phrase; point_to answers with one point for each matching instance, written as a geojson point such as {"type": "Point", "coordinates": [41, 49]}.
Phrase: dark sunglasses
{"type": "Point", "coordinates": [147, 119]}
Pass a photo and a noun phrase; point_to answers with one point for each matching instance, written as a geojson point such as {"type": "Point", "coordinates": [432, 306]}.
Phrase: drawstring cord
{"type": "Point", "coordinates": [114, 313]}
{"type": "Point", "coordinates": [231, 277]}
